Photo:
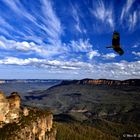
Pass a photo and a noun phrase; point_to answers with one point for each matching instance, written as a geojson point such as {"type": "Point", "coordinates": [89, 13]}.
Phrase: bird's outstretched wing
{"type": "Point", "coordinates": [119, 50]}
{"type": "Point", "coordinates": [109, 47]}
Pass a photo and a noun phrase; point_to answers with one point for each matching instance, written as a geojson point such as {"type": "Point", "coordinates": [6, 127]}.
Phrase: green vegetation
{"type": "Point", "coordinates": [102, 130]}
{"type": "Point", "coordinates": [77, 131]}
{"type": "Point", "coordinates": [115, 129]}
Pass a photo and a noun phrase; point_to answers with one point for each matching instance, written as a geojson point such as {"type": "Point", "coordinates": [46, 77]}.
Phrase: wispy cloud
{"type": "Point", "coordinates": [6, 28]}
{"type": "Point", "coordinates": [52, 23]}
{"type": "Point", "coordinates": [4, 31]}
{"type": "Point", "coordinates": [80, 46]}
{"type": "Point", "coordinates": [136, 53]}
{"type": "Point", "coordinates": [109, 56]}
{"type": "Point", "coordinates": [49, 25]}
{"type": "Point", "coordinates": [77, 15]}
{"type": "Point", "coordinates": [76, 18]}
{"type": "Point", "coordinates": [42, 34]}
{"type": "Point", "coordinates": [19, 9]}
{"type": "Point", "coordinates": [5, 24]}
{"type": "Point", "coordinates": [103, 13]}
{"type": "Point", "coordinates": [22, 15]}
{"type": "Point", "coordinates": [136, 45]}
{"type": "Point", "coordinates": [133, 20]}
{"type": "Point", "coordinates": [129, 16]}
{"type": "Point", "coordinates": [48, 50]}
{"type": "Point", "coordinates": [126, 8]}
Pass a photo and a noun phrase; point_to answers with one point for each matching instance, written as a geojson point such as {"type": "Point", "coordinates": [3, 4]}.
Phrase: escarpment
{"type": "Point", "coordinates": [130, 82]}
{"type": "Point", "coordinates": [22, 123]}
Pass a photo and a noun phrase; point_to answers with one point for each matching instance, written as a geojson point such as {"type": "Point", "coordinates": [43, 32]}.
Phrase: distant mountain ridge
{"type": "Point", "coordinates": [110, 82]}
{"type": "Point", "coordinates": [28, 80]}
{"type": "Point", "coordinates": [129, 82]}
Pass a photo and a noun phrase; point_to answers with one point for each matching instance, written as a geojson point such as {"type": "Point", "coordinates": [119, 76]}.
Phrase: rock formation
{"type": "Point", "coordinates": [4, 107]}
{"type": "Point", "coordinates": [9, 107]}
{"type": "Point", "coordinates": [25, 111]}
{"type": "Point", "coordinates": [22, 123]}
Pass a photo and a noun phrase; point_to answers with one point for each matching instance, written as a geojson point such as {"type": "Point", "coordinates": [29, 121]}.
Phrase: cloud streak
{"type": "Point", "coordinates": [126, 8]}
{"type": "Point", "coordinates": [130, 16]}
{"type": "Point", "coordinates": [49, 22]}
{"type": "Point", "coordinates": [77, 16]}
{"type": "Point", "coordinates": [44, 63]}
{"type": "Point", "coordinates": [103, 13]}
{"type": "Point", "coordinates": [80, 46]}
{"type": "Point", "coordinates": [133, 20]}
{"type": "Point", "coordinates": [136, 53]}
{"type": "Point", "coordinates": [52, 24]}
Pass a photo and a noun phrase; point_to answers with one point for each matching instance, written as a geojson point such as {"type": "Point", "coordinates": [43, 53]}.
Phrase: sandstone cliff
{"type": "Point", "coordinates": [9, 107]}
{"type": "Point", "coordinates": [130, 82]}
{"type": "Point", "coordinates": [19, 123]}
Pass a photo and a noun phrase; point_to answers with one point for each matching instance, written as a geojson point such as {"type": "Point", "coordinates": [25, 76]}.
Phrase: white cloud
{"type": "Point", "coordinates": [49, 50]}
{"type": "Point", "coordinates": [21, 46]}
{"type": "Point", "coordinates": [52, 31]}
{"type": "Point", "coordinates": [55, 64]}
{"type": "Point", "coordinates": [116, 70]}
{"type": "Point", "coordinates": [120, 70]}
{"type": "Point", "coordinates": [103, 13]}
{"type": "Point", "coordinates": [77, 26]}
{"type": "Point", "coordinates": [109, 55]}
{"type": "Point", "coordinates": [136, 53]}
{"type": "Point", "coordinates": [93, 54]}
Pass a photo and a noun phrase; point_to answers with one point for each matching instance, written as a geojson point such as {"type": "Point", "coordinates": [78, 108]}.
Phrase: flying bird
{"type": "Point", "coordinates": [116, 43]}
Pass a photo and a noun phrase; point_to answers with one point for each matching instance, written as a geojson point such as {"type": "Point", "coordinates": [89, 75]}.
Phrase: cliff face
{"type": "Point", "coordinates": [24, 123]}
{"type": "Point", "coordinates": [9, 107]}
{"type": "Point", "coordinates": [131, 82]}
{"type": "Point", "coordinates": [35, 127]}
{"type": "Point", "coordinates": [111, 82]}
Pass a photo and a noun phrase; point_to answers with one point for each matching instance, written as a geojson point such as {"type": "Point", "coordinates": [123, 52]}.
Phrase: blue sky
{"type": "Point", "coordinates": [67, 39]}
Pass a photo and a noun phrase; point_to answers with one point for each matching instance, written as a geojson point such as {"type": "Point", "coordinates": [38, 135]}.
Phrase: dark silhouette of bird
{"type": "Point", "coordinates": [116, 43]}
